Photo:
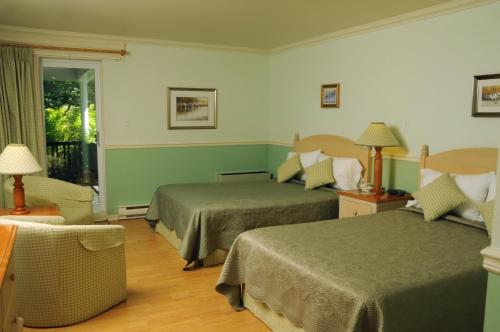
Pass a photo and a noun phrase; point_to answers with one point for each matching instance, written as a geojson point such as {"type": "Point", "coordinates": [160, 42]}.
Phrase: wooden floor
{"type": "Point", "coordinates": [162, 297]}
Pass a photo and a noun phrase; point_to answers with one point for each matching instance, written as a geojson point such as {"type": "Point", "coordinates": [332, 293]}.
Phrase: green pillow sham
{"type": "Point", "coordinates": [319, 174]}
{"type": "Point", "coordinates": [439, 197]}
{"type": "Point", "coordinates": [487, 211]}
{"type": "Point", "coordinates": [289, 169]}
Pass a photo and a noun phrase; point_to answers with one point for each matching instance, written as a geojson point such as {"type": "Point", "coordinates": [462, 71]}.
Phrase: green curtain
{"type": "Point", "coordinates": [21, 117]}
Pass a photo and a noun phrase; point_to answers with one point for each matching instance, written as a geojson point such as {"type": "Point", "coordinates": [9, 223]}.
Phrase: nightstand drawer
{"type": "Point", "coordinates": [353, 209]}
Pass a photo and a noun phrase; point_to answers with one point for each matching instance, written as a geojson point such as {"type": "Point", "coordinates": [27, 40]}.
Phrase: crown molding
{"type": "Point", "coordinates": [24, 34]}
{"type": "Point", "coordinates": [20, 34]}
{"type": "Point", "coordinates": [491, 259]}
{"type": "Point", "coordinates": [418, 15]}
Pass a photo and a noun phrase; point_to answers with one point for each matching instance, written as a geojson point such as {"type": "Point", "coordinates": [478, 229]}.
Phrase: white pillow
{"type": "Point", "coordinates": [346, 171]}
{"type": "Point", "coordinates": [474, 186]}
{"type": "Point", "coordinates": [306, 159]}
{"type": "Point", "coordinates": [428, 175]}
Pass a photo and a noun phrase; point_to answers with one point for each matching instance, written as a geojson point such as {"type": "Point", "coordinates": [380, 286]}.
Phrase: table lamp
{"type": "Point", "coordinates": [17, 160]}
{"type": "Point", "coordinates": [377, 135]}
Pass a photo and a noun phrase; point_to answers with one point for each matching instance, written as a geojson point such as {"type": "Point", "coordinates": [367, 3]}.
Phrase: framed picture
{"type": "Point", "coordinates": [330, 95]}
{"type": "Point", "coordinates": [486, 97]}
{"type": "Point", "coordinates": [190, 108]}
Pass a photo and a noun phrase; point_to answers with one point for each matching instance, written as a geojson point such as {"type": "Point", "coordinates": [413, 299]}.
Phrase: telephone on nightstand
{"type": "Point", "coordinates": [396, 192]}
{"type": "Point", "coordinates": [365, 187]}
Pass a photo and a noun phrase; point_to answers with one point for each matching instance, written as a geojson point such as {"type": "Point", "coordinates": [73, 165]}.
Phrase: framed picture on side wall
{"type": "Point", "coordinates": [330, 95]}
{"type": "Point", "coordinates": [486, 96]}
{"type": "Point", "coordinates": [192, 108]}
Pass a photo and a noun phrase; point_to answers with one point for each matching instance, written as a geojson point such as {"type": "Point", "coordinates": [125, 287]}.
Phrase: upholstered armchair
{"type": "Point", "coordinates": [66, 274]}
{"type": "Point", "coordinates": [74, 201]}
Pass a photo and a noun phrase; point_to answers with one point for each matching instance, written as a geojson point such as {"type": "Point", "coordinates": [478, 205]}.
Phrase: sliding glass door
{"type": "Point", "coordinates": [71, 95]}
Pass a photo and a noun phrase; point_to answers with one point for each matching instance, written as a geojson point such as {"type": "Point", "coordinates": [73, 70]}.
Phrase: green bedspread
{"type": "Point", "coordinates": [389, 272]}
{"type": "Point", "coordinates": [210, 216]}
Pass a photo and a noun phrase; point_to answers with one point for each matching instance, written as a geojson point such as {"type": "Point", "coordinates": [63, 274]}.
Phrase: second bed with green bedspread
{"type": "Point", "coordinates": [209, 216]}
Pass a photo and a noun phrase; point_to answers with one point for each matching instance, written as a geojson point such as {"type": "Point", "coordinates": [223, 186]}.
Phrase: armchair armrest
{"type": "Point", "coordinates": [71, 192]}
{"type": "Point", "coordinates": [98, 237]}
{"type": "Point", "coordinates": [51, 220]}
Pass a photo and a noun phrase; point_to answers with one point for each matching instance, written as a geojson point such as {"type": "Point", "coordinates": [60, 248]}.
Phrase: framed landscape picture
{"type": "Point", "coordinates": [486, 97]}
{"type": "Point", "coordinates": [330, 95]}
{"type": "Point", "coordinates": [190, 108]}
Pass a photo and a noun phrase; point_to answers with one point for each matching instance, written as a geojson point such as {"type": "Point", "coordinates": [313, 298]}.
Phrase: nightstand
{"type": "Point", "coordinates": [47, 210]}
{"type": "Point", "coordinates": [356, 203]}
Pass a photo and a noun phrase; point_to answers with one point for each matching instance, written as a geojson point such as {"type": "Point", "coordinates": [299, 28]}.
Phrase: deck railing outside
{"type": "Point", "coordinates": [65, 162]}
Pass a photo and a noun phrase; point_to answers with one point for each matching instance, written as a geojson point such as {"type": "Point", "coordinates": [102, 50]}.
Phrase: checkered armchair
{"type": "Point", "coordinates": [66, 274]}
{"type": "Point", "coordinates": [74, 201]}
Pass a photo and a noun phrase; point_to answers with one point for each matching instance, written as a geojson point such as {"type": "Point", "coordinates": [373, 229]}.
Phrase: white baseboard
{"type": "Point", "coordinates": [112, 217]}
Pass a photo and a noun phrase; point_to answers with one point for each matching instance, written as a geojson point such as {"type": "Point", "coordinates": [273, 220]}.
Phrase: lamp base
{"type": "Point", "coordinates": [377, 181]}
{"type": "Point", "coordinates": [377, 191]}
{"type": "Point", "coordinates": [19, 202]}
{"type": "Point", "coordinates": [19, 211]}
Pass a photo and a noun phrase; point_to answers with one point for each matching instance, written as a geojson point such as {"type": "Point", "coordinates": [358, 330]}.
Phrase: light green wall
{"type": "Point", "coordinates": [134, 174]}
{"type": "Point", "coordinates": [492, 315]}
{"type": "Point", "coordinates": [417, 77]}
{"type": "Point", "coordinates": [135, 94]}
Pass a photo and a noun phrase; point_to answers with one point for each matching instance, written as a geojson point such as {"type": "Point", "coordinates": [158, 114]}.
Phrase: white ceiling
{"type": "Point", "coordinates": [260, 24]}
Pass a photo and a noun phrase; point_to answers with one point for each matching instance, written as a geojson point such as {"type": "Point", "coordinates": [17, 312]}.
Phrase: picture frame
{"type": "Point", "coordinates": [486, 96]}
{"type": "Point", "coordinates": [330, 95]}
{"type": "Point", "coordinates": [191, 108]}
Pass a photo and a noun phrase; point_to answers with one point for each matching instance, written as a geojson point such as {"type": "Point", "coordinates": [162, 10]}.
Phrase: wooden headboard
{"type": "Point", "coordinates": [336, 146]}
{"type": "Point", "coordinates": [461, 161]}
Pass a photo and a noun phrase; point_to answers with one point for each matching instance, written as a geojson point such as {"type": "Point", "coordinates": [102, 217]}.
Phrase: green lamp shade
{"type": "Point", "coordinates": [377, 134]}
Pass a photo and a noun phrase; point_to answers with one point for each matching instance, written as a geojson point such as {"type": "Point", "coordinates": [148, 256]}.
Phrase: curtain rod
{"type": "Point", "coordinates": [62, 48]}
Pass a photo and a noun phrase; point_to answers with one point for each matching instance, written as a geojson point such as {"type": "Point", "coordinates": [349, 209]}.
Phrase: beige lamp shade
{"type": "Point", "coordinates": [17, 159]}
{"type": "Point", "coordinates": [378, 134]}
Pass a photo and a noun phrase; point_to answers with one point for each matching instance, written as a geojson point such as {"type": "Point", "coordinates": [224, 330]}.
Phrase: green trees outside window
{"type": "Point", "coordinates": [63, 119]}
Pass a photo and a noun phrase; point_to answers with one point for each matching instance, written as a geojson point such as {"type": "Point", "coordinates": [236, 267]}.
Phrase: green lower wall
{"type": "Point", "coordinates": [492, 314]}
{"type": "Point", "coordinates": [133, 174]}
{"type": "Point", "coordinates": [276, 154]}
{"type": "Point", "coordinates": [400, 174]}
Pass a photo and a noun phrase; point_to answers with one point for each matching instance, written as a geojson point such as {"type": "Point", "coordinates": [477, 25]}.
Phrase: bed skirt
{"type": "Point", "coordinates": [275, 321]}
{"type": "Point", "coordinates": [217, 257]}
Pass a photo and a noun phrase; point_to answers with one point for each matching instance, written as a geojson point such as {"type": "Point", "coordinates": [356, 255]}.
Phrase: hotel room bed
{"type": "Point", "coordinates": [209, 216]}
{"type": "Point", "coordinates": [202, 220]}
{"type": "Point", "coordinates": [382, 272]}
{"type": "Point", "coordinates": [390, 271]}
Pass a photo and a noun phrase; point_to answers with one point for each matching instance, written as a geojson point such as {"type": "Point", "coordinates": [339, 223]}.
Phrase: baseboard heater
{"type": "Point", "coordinates": [132, 211]}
